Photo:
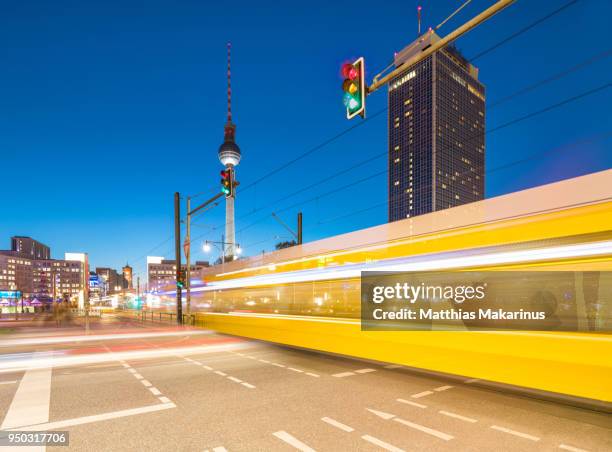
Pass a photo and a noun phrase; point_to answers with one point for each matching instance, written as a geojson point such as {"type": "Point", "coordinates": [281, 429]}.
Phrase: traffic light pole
{"type": "Point", "coordinates": [177, 249]}
{"type": "Point", "coordinates": [188, 255]}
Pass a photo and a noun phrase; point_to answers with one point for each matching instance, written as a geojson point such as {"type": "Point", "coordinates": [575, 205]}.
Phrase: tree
{"type": "Point", "coordinates": [286, 244]}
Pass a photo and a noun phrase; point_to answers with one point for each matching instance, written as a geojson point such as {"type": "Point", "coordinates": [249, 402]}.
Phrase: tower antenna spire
{"type": "Point", "coordinates": [419, 8]}
{"type": "Point", "coordinates": [229, 82]}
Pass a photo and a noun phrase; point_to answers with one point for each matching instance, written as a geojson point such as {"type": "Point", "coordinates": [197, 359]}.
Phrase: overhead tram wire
{"type": "Point", "coordinates": [518, 93]}
{"type": "Point", "coordinates": [535, 156]}
{"type": "Point", "coordinates": [492, 130]}
{"type": "Point", "coordinates": [378, 113]}
{"type": "Point", "coordinates": [523, 30]}
{"type": "Point", "coordinates": [349, 129]}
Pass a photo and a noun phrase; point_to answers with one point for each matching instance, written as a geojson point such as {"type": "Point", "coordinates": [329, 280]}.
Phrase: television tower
{"type": "Point", "coordinates": [229, 156]}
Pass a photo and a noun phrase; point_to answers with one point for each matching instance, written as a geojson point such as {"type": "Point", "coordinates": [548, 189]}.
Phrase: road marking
{"type": "Point", "coordinates": [265, 361]}
{"type": "Point", "coordinates": [132, 371]}
{"type": "Point", "coordinates": [164, 399]}
{"type": "Point", "coordinates": [140, 377]}
{"type": "Point", "coordinates": [422, 428]}
{"type": "Point", "coordinates": [457, 416]}
{"type": "Point", "coordinates": [218, 372]}
{"type": "Point", "coordinates": [343, 374]}
{"type": "Point", "coordinates": [95, 418]}
{"type": "Point", "coordinates": [196, 363]}
{"type": "Point", "coordinates": [248, 385]}
{"type": "Point", "coordinates": [208, 368]}
{"type": "Point", "coordinates": [442, 388]}
{"type": "Point", "coordinates": [472, 380]}
{"type": "Point", "coordinates": [337, 424]}
{"type": "Point", "coordinates": [382, 444]}
{"type": "Point", "coordinates": [515, 433]}
{"type": "Point", "coordinates": [421, 394]}
{"type": "Point", "coordinates": [393, 366]}
{"type": "Point", "coordinates": [295, 370]}
{"type": "Point", "coordinates": [365, 371]}
{"type": "Point", "coordinates": [278, 365]}
{"type": "Point", "coordinates": [382, 414]}
{"type": "Point", "coordinates": [8, 382]}
{"type": "Point", "coordinates": [126, 365]}
{"type": "Point", "coordinates": [237, 380]}
{"type": "Point", "coordinates": [251, 357]}
{"type": "Point", "coordinates": [313, 375]}
{"type": "Point", "coordinates": [189, 359]}
{"type": "Point", "coordinates": [571, 448]}
{"type": "Point", "coordinates": [293, 441]}
{"type": "Point", "coordinates": [219, 449]}
{"type": "Point", "coordinates": [408, 402]}
{"type": "Point", "coordinates": [31, 400]}
{"type": "Point", "coordinates": [155, 391]}
{"type": "Point", "coordinates": [146, 383]}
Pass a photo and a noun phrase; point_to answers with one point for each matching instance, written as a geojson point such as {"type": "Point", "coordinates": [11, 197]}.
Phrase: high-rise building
{"type": "Point", "coordinates": [30, 248]}
{"type": "Point", "coordinates": [436, 132]}
{"type": "Point", "coordinates": [229, 156]}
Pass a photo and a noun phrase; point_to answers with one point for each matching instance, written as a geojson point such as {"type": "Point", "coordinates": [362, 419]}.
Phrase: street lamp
{"type": "Point", "coordinates": [238, 250]}
{"type": "Point", "coordinates": [206, 247]}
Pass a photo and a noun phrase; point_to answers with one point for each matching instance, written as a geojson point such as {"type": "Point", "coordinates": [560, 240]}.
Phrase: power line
{"type": "Point", "coordinates": [535, 156]}
{"type": "Point", "coordinates": [523, 30]}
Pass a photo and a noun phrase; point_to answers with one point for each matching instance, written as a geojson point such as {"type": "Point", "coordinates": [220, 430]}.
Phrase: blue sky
{"type": "Point", "coordinates": [107, 108]}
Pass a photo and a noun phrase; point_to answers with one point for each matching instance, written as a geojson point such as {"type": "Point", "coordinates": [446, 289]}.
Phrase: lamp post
{"type": "Point", "coordinates": [222, 246]}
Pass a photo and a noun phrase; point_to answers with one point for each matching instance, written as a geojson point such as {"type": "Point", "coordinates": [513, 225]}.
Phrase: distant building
{"type": "Point", "coordinates": [114, 280]}
{"type": "Point", "coordinates": [162, 272]}
{"type": "Point", "coordinates": [436, 132]}
{"type": "Point", "coordinates": [98, 286]}
{"type": "Point", "coordinates": [43, 279]}
{"type": "Point", "coordinates": [127, 276]}
{"type": "Point", "coordinates": [30, 248]}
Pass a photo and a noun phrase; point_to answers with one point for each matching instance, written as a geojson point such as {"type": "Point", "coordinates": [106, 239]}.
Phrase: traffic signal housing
{"type": "Point", "coordinates": [227, 182]}
{"type": "Point", "coordinates": [182, 280]}
{"type": "Point", "coordinates": [354, 88]}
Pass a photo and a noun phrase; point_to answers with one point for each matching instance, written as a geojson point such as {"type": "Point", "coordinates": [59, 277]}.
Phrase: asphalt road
{"type": "Point", "coordinates": [166, 390]}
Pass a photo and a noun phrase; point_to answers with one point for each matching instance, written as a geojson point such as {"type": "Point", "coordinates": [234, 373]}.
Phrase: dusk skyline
{"type": "Point", "coordinates": [107, 109]}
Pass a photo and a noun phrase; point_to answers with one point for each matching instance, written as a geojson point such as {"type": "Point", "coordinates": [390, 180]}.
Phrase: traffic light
{"type": "Point", "coordinates": [227, 182]}
{"type": "Point", "coordinates": [182, 280]}
{"type": "Point", "coordinates": [354, 88]}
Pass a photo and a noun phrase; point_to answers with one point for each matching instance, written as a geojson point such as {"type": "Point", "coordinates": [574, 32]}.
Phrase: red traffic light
{"type": "Point", "coordinates": [349, 71]}
{"type": "Point", "coordinates": [225, 174]}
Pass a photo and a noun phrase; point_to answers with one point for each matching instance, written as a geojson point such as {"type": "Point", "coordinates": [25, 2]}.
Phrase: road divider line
{"type": "Point", "coordinates": [571, 448]}
{"type": "Point", "coordinates": [218, 372]}
{"type": "Point", "coordinates": [164, 399]}
{"type": "Point", "coordinates": [278, 365]}
{"type": "Point", "coordinates": [295, 370]}
{"type": "Point", "coordinates": [219, 449]}
{"type": "Point", "coordinates": [408, 402]}
{"type": "Point", "coordinates": [422, 428]}
{"type": "Point", "coordinates": [381, 444]}
{"type": "Point", "coordinates": [442, 388]}
{"type": "Point", "coordinates": [313, 375]}
{"type": "Point", "coordinates": [95, 418]}
{"type": "Point", "coordinates": [293, 441]}
{"type": "Point", "coordinates": [147, 383]}
{"type": "Point", "coordinates": [140, 377]}
{"type": "Point", "coordinates": [393, 366]}
{"type": "Point", "coordinates": [265, 361]}
{"type": "Point", "coordinates": [337, 424]}
{"type": "Point", "coordinates": [8, 382]}
{"type": "Point", "coordinates": [472, 380]}
{"type": "Point", "coordinates": [365, 371]}
{"type": "Point", "coordinates": [248, 385]}
{"type": "Point", "coordinates": [155, 391]}
{"type": "Point", "coordinates": [421, 394]}
{"type": "Point", "coordinates": [457, 416]}
{"type": "Point", "coordinates": [343, 374]}
{"type": "Point", "coordinates": [515, 433]}
{"type": "Point", "coordinates": [207, 367]}
{"type": "Point", "coordinates": [234, 379]}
